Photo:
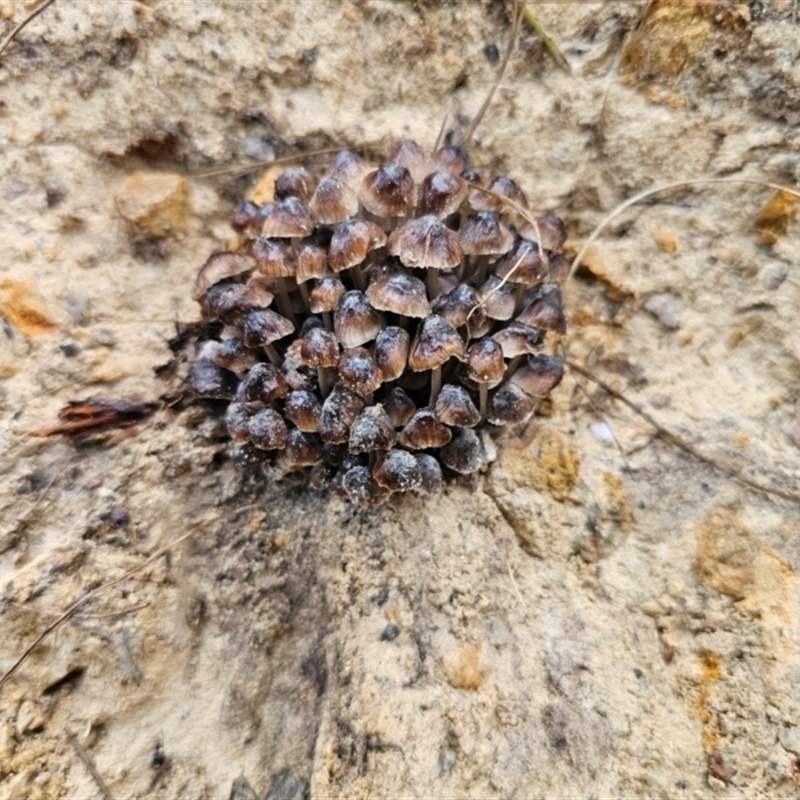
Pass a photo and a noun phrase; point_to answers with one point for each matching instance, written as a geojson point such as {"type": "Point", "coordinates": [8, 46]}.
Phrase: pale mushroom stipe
{"type": "Point", "coordinates": [372, 326]}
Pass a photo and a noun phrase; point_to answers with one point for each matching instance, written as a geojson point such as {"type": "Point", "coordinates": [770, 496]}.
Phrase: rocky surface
{"type": "Point", "coordinates": [600, 615]}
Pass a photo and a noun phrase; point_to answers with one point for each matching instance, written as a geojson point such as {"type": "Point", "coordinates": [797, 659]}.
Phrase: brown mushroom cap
{"type": "Point", "coordinates": [424, 431]}
{"type": "Point", "coordinates": [391, 352]}
{"type": "Point", "coordinates": [355, 321]}
{"type": "Point", "coordinates": [435, 342]}
{"type": "Point", "coordinates": [398, 471]}
{"type": "Point", "coordinates": [425, 242]}
{"type": "Point", "coordinates": [303, 449]}
{"type": "Point", "coordinates": [295, 182]}
{"type": "Point", "coordinates": [333, 201]}
{"type": "Point", "coordinates": [319, 348]}
{"type": "Point", "coordinates": [288, 219]}
{"type": "Point", "coordinates": [464, 453]}
{"type": "Point", "coordinates": [517, 339]}
{"type": "Point", "coordinates": [210, 381]}
{"type": "Point", "coordinates": [248, 218]}
{"type": "Point", "coordinates": [358, 371]}
{"type": "Point", "coordinates": [453, 158]}
{"type": "Point", "coordinates": [483, 235]}
{"type": "Point", "coordinates": [350, 169]}
{"type": "Point", "coordinates": [265, 383]}
{"type": "Point", "coordinates": [410, 155]}
{"type": "Point", "coordinates": [539, 376]}
{"type": "Point", "coordinates": [219, 267]}
{"type": "Point", "coordinates": [399, 293]}
{"type": "Point", "coordinates": [362, 489]}
{"type": "Point", "coordinates": [264, 326]}
{"type": "Point", "coordinates": [268, 430]}
{"type": "Point", "coordinates": [273, 258]}
{"type": "Point", "coordinates": [388, 191]}
{"type": "Point", "coordinates": [372, 430]}
{"type": "Point", "coordinates": [352, 241]}
{"type": "Point", "coordinates": [454, 407]}
{"type": "Point", "coordinates": [430, 473]}
{"type": "Point", "coordinates": [543, 310]}
{"type": "Point", "coordinates": [522, 264]}
{"type": "Point", "coordinates": [485, 363]}
{"type": "Point", "coordinates": [304, 409]}
{"type": "Point", "coordinates": [228, 302]}
{"type": "Point", "coordinates": [499, 299]}
{"type": "Point", "coordinates": [293, 368]}
{"type": "Point", "coordinates": [559, 268]}
{"type": "Point", "coordinates": [339, 411]}
{"type": "Point", "coordinates": [312, 262]}
{"type": "Point", "coordinates": [233, 355]}
{"type": "Point", "coordinates": [505, 188]}
{"type": "Point", "coordinates": [551, 229]}
{"type": "Point", "coordinates": [510, 406]}
{"type": "Point", "coordinates": [458, 304]}
{"type": "Point", "coordinates": [237, 421]}
{"type": "Point", "coordinates": [441, 194]}
{"type": "Point", "coordinates": [399, 406]}
{"type": "Point", "coordinates": [325, 296]}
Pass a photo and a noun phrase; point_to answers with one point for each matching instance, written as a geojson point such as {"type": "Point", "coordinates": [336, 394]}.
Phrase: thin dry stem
{"type": "Point", "coordinates": [35, 13]}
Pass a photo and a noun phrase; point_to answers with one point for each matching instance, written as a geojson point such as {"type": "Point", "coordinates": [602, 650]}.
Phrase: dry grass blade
{"type": "Point", "coordinates": [35, 13]}
{"type": "Point", "coordinates": [547, 40]}
{"type": "Point", "coordinates": [682, 444]}
{"type": "Point", "coordinates": [88, 763]}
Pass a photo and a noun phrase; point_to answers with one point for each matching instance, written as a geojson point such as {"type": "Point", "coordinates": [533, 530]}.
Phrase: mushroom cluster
{"type": "Point", "coordinates": [373, 324]}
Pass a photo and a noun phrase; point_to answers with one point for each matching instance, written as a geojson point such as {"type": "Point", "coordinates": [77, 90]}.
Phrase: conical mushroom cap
{"type": "Point", "coordinates": [453, 158]}
{"type": "Point", "coordinates": [391, 352]}
{"type": "Point", "coordinates": [424, 431]}
{"type": "Point", "coordinates": [502, 187]}
{"type": "Point", "coordinates": [264, 327]}
{"type": "Point", "coordinates": [362, 489]}
{"type": "Point", "coordinates": [441, 194]}
{"type": "Point", "coordinates": [539, 376]}
{"type": "Point", "coordinates": [510, 406]}
{"type": "Point", "coordinates": [372, 430]}
{"type": "Point", "coordinates": [219, 267]}
{"type": "Point", "coordinates": [430, 472]}
{"type": "Point", "coordinates": [319, 348]}
{"type": "Point", "coordinates": [410, 155]}
{"type": "Point", "coordinates": [355, 321]}
{"type": "Point", "coordinates": [522, 264]}
{"type": "Point", "coordinates": [303, 449]}
{"type": "Point", "coordinates": [499, 300]}
{"type": "Point", "coordinates": [304, 409]}
{"type": "Point", "coordinates": [352, 241]}
{"type": "Point", "coordinates": [312, 262]}
{"type": "Point", "coordinates": [435, 342]}
{"type": "Point", "coordinates": [399, 293]}
{"type": "Point", "coordinates": [295, 182]}
{"type": "Point", "coordinates": [399, 406]}
{"type": "Point", "coordinates": [464, 453]}
{"type": "Point", "coordinates": [482, 235]}
{"type": "Point", "coordinates": [350, 169]}
{"type": "Point", "coordinates": [273, 258]}
{"type": "Point", "coordinates": [265, 383]}
{"type": "Point", "coordinates": [458, 304]}
{"type": "Point", "coordinates": [325, 296]}
{"type": "Point", "coordinates": [358, 371]}
{"type": "Point", "coordinates": [333, 202]}
{"type": "Point", "coordinates": [228, 302]}
{"type": "Point", "coordinates": [517, 339]}
{"type": "Point", "coordinates": [339, 411]}
{"type": "Point", "coordinates": [551, 229]}
{"type": "Point", "coordinates": [289, 219]}
{"type": "Point", "coordinates": [485, 363]}
{"type": "Point", "coordinates": [544, 310]}
{"type": "Point", "coordinates": [398, 471]}
{"type": "Point", "coordinates": [268, 430]}
{"type": "Point", "coordinates": [388, 191]}
{"type": "Point", "coordinates": [425, 242]}
{"type": "Point", "coordinates": [454, 407]}
{"type": "Point", "coordinates": [233, 355]}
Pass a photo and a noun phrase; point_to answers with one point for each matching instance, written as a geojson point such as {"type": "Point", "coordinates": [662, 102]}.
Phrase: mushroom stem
{"type": "Point", "coordinates": [512, 367]}
{"type": "Point", "coordinates": [357, 277]}
{"type": "Point", "coordinates": [284, 303]}
{"type": "Point", "coordinates": [270, 350]}
{"type": "Point", "coordinates": [304, 294]}
{"type": "Point", "coordinates": [322, 378]}
{"type": "Point", "coordinates": [327, 321]}
{"type": "Point", "coordinates": [483, 389]}
{"type": "Point", "coordinates": [436, 384]}
{"type": "Point", "coordinates": [433, 284]}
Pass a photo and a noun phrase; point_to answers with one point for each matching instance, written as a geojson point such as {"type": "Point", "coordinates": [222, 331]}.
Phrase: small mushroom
{"type": "Point", "coordinates": [544, 310]}
{"type": "Point", "coordinates": [237, 421]}
{"type": "Point", "coordinates": [399, 406]}
{"type": "Point", "coordinates": [453, 158]}
{"type": "Point", "coordinates": [498, 299]}
{"type": "Point", "coordinates": [485, 366]}
{"type": "Point", "coordinates": [517, 339]}
{"type": "Point", "coordinates": [339, 411]}
{"type": "Point", "coordinates": [229, 301]}
{"type": "Point", "coordinates": [352, 241]}
{"type": "Point", "coordinates": [325, 296]}
{"type": "Point", "coordinates": [350, 169]}
{"type": "Point", "coordinates": [435, 342]}
{"type": "Point", "coordinates": [510, 406]}
{"type": "Point", "coordinates": [372, 430]}
{"type": "Point", "coordinates": [358, 371]}
{"type": "Point", "coordinates": [410, 155]}
{"type": "Point", "coordinates": [391, 352]}
{"type": "Point", "coordinates": [268, 430]}
{"type": "Point", "coordinates": [312, 262]}
{"type": "Point", "coordinates": [356, 322]}
{"type": "Point", "coordinates": [457, 305]}
{"type": "Point", "coordinates": [399, 293]}
{"type": "Point", "coordinates": [265, 383]}
{"type": "Point", "coordinates": [522, 264]}
{"type": "Point", "coordinates": [424, 431]}
{"type": "Point", "coordinates": [454, 407]}
{"type": "Point", "coordinates": [320, 350]}
{"type": "Point", "coordinates": [502, 188]}
{"type": "Point", "coordinates": [362, 489]}
{"type": "Point", "coordinates": [233, 355]}
{"type": "Point", "coordinates": [219, 267]}
{"type": "Point", "coordinates": [482, 235]}
{"type": "Point", "coordinates": [263, 327]}
{"type": "Point", "coordinates": [398, 471]}
{"type": "Point", "coordinates": [464, 453]}
{"type": "Point", "coordinates": [288, 219]}
{"type": "Point", "coordinates": [211, 382]}
{"type": "Point", "coordinates": [273, 258]}
{"type": "Point", "coordinates": [295, 182]}
{"type": "Point", "coordinates": [333, 202]}
{"type": "Point", "coordinates": [430, 474]}
{"type": "Point", "coordinates": [539, 376]}
{"type": "Point", "coordinates": [248, 218]}
{"type": "Point", "coordinates": [303, 449]}
{"type": "Point", "coordinates": [442, 193]}
{"type": "Point", "coordinates": [304, 409]}
{"type": "Point", "coordinates": [388, 191]}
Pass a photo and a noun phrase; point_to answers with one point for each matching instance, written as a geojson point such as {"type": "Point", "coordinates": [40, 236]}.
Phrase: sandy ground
{"type": "Point", "coordinates": [603, 616]}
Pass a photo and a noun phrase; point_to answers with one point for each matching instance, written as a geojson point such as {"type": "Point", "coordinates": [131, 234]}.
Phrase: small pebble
{"type": "Point", "coordinates": [602, 432]}
{"type": "Point", "coordinates": [665, 307]}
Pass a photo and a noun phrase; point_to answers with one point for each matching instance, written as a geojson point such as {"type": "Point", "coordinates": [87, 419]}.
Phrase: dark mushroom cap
{"type": "Point", "coordinates": [356, 322]}
{"type": "Point", "coordinates": [410, 155]}
{"type": "Point", "coordinates": [485, 363]}
{"type": "Point", "coordinates": [391, 352]}
{"type": "Point", "coordinates": [304, 409]}
{"type": "Point", "coordinates": [248, 218]}
{"type": "Point", "coordinates": [399, 293]}
{"type": "Point", "coordinates": [425, 242]}
{"type": "Point", "coordinates": [399, 406]}
{"type": "Point", "coordinates": [388, 191]}
{"type": "Point", "coordinates": [288, 219]}
{"type": "Point", "coordinates": [219, 267]}
{"type": "Point", "coordinates": [325, 296]}
{"type": "Point", "coordinates": [430, 474]}
{"type": "Point", "coordinates": [211, 382]}
{"type": "Point", "coordinates": [453, 158]}
{"type": "Point", "coordinates": [352, 241]}
{"type": "Point", "coordinates": [358, 370]}
{"type": "Point", "coordinates": [295, 182]}
{"type": "Point", "coordinates": [233, 355]}
{"type": "Point", "coordinates": [454, 407]}
{"type": "Point", "coordinates": [510, 406]}
{"type": "Point", "coordinates": [333, 202]}
{"type": "Point", "coordinates": [552, 231]}
{"type": "Point", "coordinates": [273, 258]}
{"type": "Point", "coordinates": [499, 299]}
{"type": "Point", "coordinates": [441, 194]}
{"type": "Point", "coordinates": [522, 264]}
{"type": "Point", "coordinates": [303, 449]}
{"type": "Point", "coordinates": [558, 268]}
{"type": "Point", "coordinates": [372, 430]}
{"type": "Point", "coordinates": [230, 301]}
{"type": "Point", "coordinates": [339, 411]}
{"type": "Point", "coordinates": [424, 431]}
{"type": "Point", "coordinates": [435, 342]}
{"type": "Point", "coordinates": [457, 304]}
{"type": "Point", "coordinates": [264, 327]}
{"type": "Point", "coordinates": [464, 453]}
{"type": "Point", "coordinates": [265, 383]}
{"type": "Point", "coordinates": [397, 471]}
{"type": "Point", "coordinates": [319, 348]}
{"type": "Point", "coordinates": [350, 169]}
{"type": "Point", "coordinates": [543, 310]}
{"type": "Point", "coordinates": [293, 367]}
{"type": "Point", "coordinates": [504, 188]}
{"type": "Point", "coordinates": [268, 430]}
{"type": "Point", "coordinates": [482, 235]}
{"type": "Point", "coordinates": [539, 376]}
{"type": "Point", "coordinates": [237, 421]}
{"type": "Point", "coordinates": [312, 262]}
{"type": "Point", "coordinates": [362, 489]}
{"type": "Point", "coordinates": [517, 339]}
